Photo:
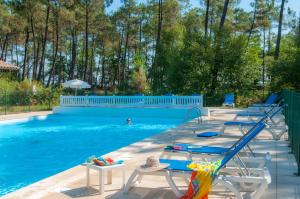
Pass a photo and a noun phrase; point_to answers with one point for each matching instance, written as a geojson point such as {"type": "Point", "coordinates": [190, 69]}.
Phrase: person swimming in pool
{"type": "Point", "coordinates": [129, 121]}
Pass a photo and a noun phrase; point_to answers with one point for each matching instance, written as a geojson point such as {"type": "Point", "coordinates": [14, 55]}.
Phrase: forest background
{"type": "Point", "coordinates": [153, 47]}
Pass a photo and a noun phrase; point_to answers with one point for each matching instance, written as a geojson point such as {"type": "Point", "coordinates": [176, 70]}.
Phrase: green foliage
{"type": "Point", "coordinates": [285, 72]}
{"type": "Point", "coordinates": [150, 47]}
{"type": "Point", "coordinates": [138, 77]}
{"type": "Point", "coordinates": [191, 71]}
{"type": "Point", "coordinates": [245, 100]}
{"type": "Point", "coordinates": [27, 93]}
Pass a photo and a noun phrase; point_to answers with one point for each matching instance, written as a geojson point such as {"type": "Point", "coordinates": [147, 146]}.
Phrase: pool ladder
{"type": "Point", "coordinates": [190, 112]}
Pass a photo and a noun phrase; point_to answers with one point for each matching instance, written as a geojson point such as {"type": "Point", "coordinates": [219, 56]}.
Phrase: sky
{"type": "Point", "coordinates": [245, 4]}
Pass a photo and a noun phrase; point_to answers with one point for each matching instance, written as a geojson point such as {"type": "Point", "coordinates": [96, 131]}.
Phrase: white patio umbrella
{"type": "Point", "coordinates": [77, 84]}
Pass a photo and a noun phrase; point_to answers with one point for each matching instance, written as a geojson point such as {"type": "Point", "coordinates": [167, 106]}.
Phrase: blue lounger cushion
{"type": "Point", "coordinates": [208, 150]}
{"type": "Point", "coordinates": [208, 134]}
{"type": "Point", "coordinates": [199, 149]}
{"type": "Point", "coordinates": [251, 114]}
{"type": "Point", "coordinates": [180, 165]}
{"type": "Point", "coordinates": [239, 123]}
{"type": "Point", "coordinates": [261, 105]}
{"type": "Point", "coordinates": [269, 101]}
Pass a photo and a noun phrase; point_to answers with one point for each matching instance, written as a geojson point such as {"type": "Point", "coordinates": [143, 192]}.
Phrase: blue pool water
{"type": "Point", "coordinates": [42, 146]}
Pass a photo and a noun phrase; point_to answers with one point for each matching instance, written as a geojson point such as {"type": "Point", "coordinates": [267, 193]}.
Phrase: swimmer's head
{"type": "Point", "coordinates": [129, 120]}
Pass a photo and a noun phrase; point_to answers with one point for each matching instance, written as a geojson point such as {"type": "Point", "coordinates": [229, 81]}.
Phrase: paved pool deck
{"type": "Point", "coordinates": [72, 183]}
{"type": "Point", "coordinates": [23, 115]}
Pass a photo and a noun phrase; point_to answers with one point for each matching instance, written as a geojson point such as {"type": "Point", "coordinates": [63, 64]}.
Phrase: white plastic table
{"type": "Point", "coordinates": [101, 170]}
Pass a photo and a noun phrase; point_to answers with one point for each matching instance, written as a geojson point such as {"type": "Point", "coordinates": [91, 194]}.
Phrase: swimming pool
{"type": "Point", "coordinates": [38, 147]}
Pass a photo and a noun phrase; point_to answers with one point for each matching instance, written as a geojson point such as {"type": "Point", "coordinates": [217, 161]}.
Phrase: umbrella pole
{"type": "Point", "coordinates": [75, 91]}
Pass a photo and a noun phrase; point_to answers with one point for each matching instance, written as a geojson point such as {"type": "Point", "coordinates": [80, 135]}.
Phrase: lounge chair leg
{"type": "Point", "coordinates": [222, 130]}
{"type": "Point", "coordinates": [235, 118]}
{"type": "Point", "coordinates": [229, 186]}
{"type": "Point", "coordinates": [280, 135]}
{"type": "Point", "coordinates": [109, 177]}
{"type": "Point", "coordinates": [139, 178]}
{"type": "Point", "coordinates": [187, 181]}
{"type": "Point", "coordinates": [172, 184]}
{"type": "Point", "coordinates": [260, 190]}
{"type": "Point", "coordinates": [277, 136]}
{"type": "Point", "coordinates": [124, 177]}
{"type": "Point", "coordinates": [101, 182]}
{"type": "Point", "coordinates": [87, 176]}
{"type": "Point", "coordinates": [130, 181]}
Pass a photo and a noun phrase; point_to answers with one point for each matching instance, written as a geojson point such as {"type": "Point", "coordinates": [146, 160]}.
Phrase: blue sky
{"type": "Point", "coordinates": [294, 4]}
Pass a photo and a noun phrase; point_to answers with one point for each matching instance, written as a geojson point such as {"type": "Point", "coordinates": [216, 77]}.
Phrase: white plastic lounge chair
{"type": "Point", "coordinates": [275, 123]}
{"type": "Point", "coordinates": [253, 115]}
{"type": "Point", "coordinates": [272, 125]}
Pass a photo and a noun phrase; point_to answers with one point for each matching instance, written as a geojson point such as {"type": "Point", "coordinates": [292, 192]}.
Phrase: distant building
{"type": "Point", "coordinates": [8, 70]}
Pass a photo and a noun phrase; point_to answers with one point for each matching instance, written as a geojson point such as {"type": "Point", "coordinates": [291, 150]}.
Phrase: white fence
{"type": "Point", "coordinates": [134, 101]}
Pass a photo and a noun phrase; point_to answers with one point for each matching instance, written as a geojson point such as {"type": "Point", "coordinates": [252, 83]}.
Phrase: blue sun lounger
{"type": "Point", "coordinates": [273, 125]}
{"type": "Point", "coordinates": [251, 115]}
{"type": "Point", "coordinates": [269, 101]}
{"type": "Point", "coordinates": [188, 151]}
{"type": "Point", "coordinates": [229, 100]}
{"type": "Point", "coordinates": [275, 128]}
{"type": "Point", "coordinates": [254, 112]}
{"type": "Point", "coordinates": [210, 134]}
{"type": "Point", "coordinates": [235, 179]}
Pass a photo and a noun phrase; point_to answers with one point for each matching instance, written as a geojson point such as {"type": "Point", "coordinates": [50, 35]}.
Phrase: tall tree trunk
{"type": "Point", "coordinates": [28, 68]}
{"type": "Point", "coordinates": [92, 60]}
{"type": "Point", "coordinates": [60, 72]}
{"type": "Point", "coordinates": [34, 48]}
{"type": "Point", "coordinates": [17, 51]}
{"type": "Point", "coordinates": [218, 56]}
{"type": "Point", "coordinates": [37, 58]}
{"type": "Point", "coordinates": [97, 72]}
{"type": "Point", "coordinates": [25, 53]}
{"type": "Point", "coordinates": [155, 70]}
{"type": "Point", "coordinates": [81, 69]}
{"type": "Point", "coordinates": [103, 68]}
{"type": "Point", "coordinates": [211, 22]}
{"type": "Point", "coordinates": [74, 54]}
{"type": "Point", "coordinates": [298, 35]}
{"type": "Point", "coordinates": [4, 47]}
{"type": "Point", "coordinates": [41, 75]}
{"type": "Point", "coordinates": [5, 52]}
{"type": "Point", "coordinates": [140, 33]}
{"type": "Point", "coordinates": [119, 54]}
{"type": "Point", "coordinates": [53, 68]}
{"type": "Point", "coordinates": [253, 22]}
{"type": "Point", "coordinates": [86, 41]}
{"type": "Point", "coordinates": [12, 53]}
{"type": "Point", "coordinates": [263, 55]}
{"type": "Point", "coordinates": [125, 54]}
{"type": "Point", "coordinates": [206, 17]}
{"type": "Point", "coordinates": [277, 48]}
{"type": "Point", "coordinates": [269, 39]}
{"type": "Point", "coordinates": [224, 13]}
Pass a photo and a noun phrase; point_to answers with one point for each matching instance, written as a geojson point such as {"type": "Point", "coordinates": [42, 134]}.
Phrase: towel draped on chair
{"type": "Point", "coordinates": [201, 179]}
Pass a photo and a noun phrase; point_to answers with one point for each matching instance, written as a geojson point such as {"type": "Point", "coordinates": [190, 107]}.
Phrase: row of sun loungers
{"type": "Point", "coordinates": [239, 169]}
